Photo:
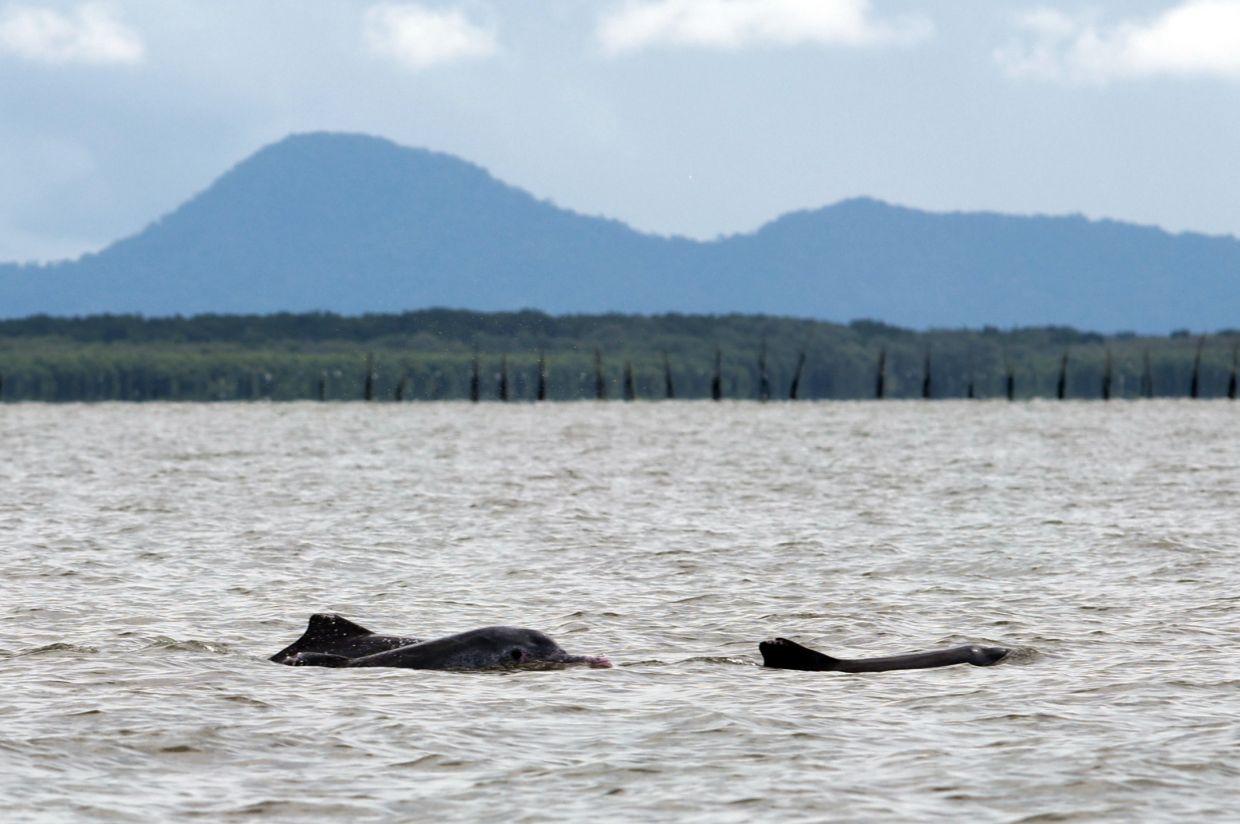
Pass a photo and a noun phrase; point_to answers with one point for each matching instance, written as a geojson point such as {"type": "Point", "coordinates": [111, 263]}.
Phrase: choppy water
{"type": "Point", "coordinates": [154, 555]}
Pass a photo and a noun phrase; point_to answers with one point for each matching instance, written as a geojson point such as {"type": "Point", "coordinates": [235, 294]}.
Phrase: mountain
{"type": "Point", "coordinates": [351, 224]}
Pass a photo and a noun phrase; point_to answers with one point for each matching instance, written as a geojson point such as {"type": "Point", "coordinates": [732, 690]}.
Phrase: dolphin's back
{"type": "Point", "coordinates": [482, 648]}
{"type": "Point", "coordinates": [780, 653]}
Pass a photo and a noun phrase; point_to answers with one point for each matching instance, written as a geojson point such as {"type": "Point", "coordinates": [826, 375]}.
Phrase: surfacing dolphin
{"type": "Point", "coordinates": [780, 653]}
{"type": "Point", "coordinates": [485, 648]}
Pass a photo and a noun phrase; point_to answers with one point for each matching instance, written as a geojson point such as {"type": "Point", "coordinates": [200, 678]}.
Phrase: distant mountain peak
{"type": "Point", "coordinates": [353, 223]}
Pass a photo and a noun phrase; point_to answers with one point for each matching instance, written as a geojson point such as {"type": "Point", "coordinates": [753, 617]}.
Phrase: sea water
{"type": "Point", "coordinates": [153, 556]}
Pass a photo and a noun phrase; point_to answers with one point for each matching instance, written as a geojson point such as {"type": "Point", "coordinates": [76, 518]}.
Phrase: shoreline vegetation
{"type": "Point", "coordinates": [442, 354]}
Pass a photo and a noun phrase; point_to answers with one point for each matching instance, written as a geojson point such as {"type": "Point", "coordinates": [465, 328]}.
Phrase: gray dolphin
{"type": "Point", "coordinates": [780, 653]}
{"type": "Point", "coordinates": [484, 648]}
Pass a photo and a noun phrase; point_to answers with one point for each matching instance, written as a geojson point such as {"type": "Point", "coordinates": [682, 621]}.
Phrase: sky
{"type": "Point", "coordinates": [679, 117]}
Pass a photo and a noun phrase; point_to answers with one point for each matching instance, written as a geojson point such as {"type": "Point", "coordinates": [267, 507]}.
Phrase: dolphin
{"type": "Point", "coordinates": [780, 653]}
{"type": "Point", "coordinates": [330, 634]}
{"type": "Point", "coordinates": [485, 648]}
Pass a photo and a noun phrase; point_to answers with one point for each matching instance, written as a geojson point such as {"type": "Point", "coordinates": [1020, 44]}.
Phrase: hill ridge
{"type": "Point", "coordinates": [330, 221]}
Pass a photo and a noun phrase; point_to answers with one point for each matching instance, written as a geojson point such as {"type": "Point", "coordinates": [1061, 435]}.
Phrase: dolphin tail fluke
{"type": "Point", "coordinates": [780, 653]}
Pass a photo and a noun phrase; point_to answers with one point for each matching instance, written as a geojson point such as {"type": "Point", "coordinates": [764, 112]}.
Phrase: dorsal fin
{"type": "Point", "coordinates": [326, 631]}
{"type": "Point", "coordinates": [330, 625]}
{"type": "Point", "coordinates": [780, 653]}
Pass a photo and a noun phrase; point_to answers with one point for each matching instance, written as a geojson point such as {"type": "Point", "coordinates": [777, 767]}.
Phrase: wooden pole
{"type": "Point", "coordinates": [880, 390]}
{"type": "Point", "coordinates": [600, 384]}
{"type": "Point", "coordinates": [474, 382]}
{"type": "Point", "coordinates": [764, 378]}
{"type": "Point", "coordinates": [1106, 377]}
{"type": "Point", "coordinates": [1231, 384]}
{"type": "Point", "coordinates": [795, 388]}
{"type": "Point", "coordinates": [716, 382]}
{"type": "Point", "coordinates": [1194, 385]}
{"type": "Point", "coordinates": [1147, 377]}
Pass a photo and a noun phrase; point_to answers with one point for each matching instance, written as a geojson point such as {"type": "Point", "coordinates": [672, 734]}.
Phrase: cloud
{"type": "Point", "coordinates": [89, 34]}
{"type": "Point", "coordinates": [1198, 38]}
{"type": "Point", "coordinates": [737, 24]}
{"type": "Point", "coordinates": [419, 38]}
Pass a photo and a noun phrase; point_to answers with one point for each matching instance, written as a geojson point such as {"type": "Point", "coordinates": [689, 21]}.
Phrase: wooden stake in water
{"type": "Point", "coordinates": [764, 378]}
{"type": "Point", "coordinates": [474, 380]}
{"type": "Point", "coordinates": [600, 384]}
{"type": "Point", "coordinates": [795, 388]}
{"type": "Point", "coordinates": [323, 385]}
{"type": "Point", "coordinates": [1147, 377]}
{"type": "Point", "coordinates": [368, 390]}
{"type": "Point", "coordinates": [1106, 376]}
{"type": "Point", "coordinates": [1235, 360]}
{"type": "Point", "coordinates": [669, 388]}
{"type": "Point", "coordinates": [927, 384]}
{"type": "Point", "coordinates": [542, 377]}
{"type": "Point", "coordinates": [503, 378]}
{"type": "Point", "coordinates": [1194, 385]}
{"type": "Point", "coordinates": [716, 382]}
{"type": "Point", "coordinates": [880, 390]}
{"type": "Point", "coordinates": [1061, 390]}
{"type": "Point", "coordinates": [630, 388]}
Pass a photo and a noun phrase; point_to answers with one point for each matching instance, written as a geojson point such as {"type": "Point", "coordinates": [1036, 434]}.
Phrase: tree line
{"type": "Point", "coordinates": [441, 354]}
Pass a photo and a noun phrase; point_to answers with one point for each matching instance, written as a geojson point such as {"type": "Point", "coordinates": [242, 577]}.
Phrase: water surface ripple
{"type": "Point", "coordinates": [154, 555]}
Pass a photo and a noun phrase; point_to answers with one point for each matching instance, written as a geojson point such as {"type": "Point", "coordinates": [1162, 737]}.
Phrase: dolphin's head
{"type": "Point", "coordinates": [531, 649]}
{"type": "Point", "coordinates": [985, 656]}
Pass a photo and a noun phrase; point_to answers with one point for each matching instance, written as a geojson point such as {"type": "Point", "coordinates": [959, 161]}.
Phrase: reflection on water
{"type": "Point", "coordinates": [155, 555]}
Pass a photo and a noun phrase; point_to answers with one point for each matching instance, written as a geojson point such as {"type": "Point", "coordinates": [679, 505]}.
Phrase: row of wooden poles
{"type": "Point", "coordinates": [600, 381]}
{"type": "Point", "coordinates": [764, 382]}
{"type": "Point", "coordinates": [764, 388]}
{"type": "Point", "coordinates": [1061, 386]}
